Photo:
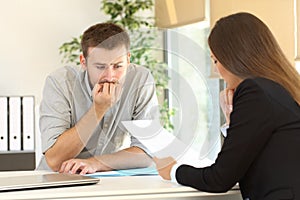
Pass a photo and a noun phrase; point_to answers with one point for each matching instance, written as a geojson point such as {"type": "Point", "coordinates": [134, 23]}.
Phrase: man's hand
{"type": "Point", "coordinates": [105, 95]}
{"type": "Point", "coordinates": [164, 166]}
{"type": "Point", "coordinates": [226, 97]}
{"type": "Point", "coordinates": [82, 166]}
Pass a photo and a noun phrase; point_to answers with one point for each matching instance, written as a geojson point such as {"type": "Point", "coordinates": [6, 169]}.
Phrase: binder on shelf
{"type": "Point", "coordinates": [15, 123]}
{"type": "Point", "coordinates": [28, 122]}
{"type": "Point", "coordinates": [3, 124]}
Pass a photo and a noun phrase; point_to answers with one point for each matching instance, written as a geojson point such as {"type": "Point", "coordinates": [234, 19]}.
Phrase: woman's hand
{"type": "Point", "coordinates": [226, 98]}
{"type": "Point", "coordinates": [164, 166]}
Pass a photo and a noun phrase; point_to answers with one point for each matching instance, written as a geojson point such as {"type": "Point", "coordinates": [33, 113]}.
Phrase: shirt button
{"type": "Point", "coordinates": [105, 125]}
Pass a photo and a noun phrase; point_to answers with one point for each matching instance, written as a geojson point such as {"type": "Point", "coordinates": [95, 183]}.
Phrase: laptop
{"type": "Point", "coordinates": [11, 183]}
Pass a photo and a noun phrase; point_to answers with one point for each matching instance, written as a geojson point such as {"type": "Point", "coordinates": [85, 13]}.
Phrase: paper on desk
{"type": "Point", "coordinates": [161, 143]}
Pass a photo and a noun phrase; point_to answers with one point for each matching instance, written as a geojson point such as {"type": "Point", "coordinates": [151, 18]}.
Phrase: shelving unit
{"type": "Point", "coordinates": [17, 160]}
{"type": "Point", "coordinates": [17, 133]}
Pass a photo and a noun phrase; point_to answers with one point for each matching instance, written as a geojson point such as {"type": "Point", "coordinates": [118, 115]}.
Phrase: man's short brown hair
{"type": "Point", "coordinates": [104, 35]}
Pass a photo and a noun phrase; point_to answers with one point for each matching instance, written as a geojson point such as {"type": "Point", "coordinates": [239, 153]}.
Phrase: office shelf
{"type": "Point", "coordinates": [17, 160]}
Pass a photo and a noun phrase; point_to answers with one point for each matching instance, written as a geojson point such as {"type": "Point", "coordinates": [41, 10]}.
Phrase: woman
{"type": "Point", "coordinates": [261, 150]}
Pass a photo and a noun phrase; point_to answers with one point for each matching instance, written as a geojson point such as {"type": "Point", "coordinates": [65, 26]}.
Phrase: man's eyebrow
{"type": "Point", "coordinates": [117, 63]}
{"type": "Point", "coordinates": [97, 63]}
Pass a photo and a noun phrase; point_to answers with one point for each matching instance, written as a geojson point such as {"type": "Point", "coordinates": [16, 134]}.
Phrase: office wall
{"type": "Point", "coordinates": [30, 35]}
{"type": "Point", "coordinates": [277, 14]}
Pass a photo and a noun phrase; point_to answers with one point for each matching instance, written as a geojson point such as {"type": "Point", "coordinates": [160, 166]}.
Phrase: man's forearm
{"type": "Point", "coordinates": [132, 157]}
{"type": "Point", "coordinates": [70, 143]}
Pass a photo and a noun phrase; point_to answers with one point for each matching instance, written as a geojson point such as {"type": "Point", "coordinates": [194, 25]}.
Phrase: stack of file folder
{"type": "Point", "coordinates": [17, 123]}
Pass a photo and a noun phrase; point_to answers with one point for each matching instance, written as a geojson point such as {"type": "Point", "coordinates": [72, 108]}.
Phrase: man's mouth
{"type": "Point", "coordinates": [113, 82]}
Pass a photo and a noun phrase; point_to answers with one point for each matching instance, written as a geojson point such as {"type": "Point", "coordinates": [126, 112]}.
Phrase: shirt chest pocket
{"type": "Point", "coordinates": [121, 140]}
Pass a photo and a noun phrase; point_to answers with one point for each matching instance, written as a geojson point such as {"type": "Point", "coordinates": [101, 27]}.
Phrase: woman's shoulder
{"type": "Point", "coordinates": [257, 81]}
{"type": "Point", "coordinates": [265, 85]}
{"type": "Point", "coordinates": [267, 89]}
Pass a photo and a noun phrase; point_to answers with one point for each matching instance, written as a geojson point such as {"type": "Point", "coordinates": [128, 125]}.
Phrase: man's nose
{"type": "Point", "coordinates": [108, 74]}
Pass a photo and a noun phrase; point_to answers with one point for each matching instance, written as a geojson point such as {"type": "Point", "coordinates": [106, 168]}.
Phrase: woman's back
{"type": "Point", "coordinates": [274, 170]}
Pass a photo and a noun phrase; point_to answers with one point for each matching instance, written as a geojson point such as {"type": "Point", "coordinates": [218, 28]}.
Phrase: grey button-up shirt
{"type": "Point", "coordinates": [67, 96]}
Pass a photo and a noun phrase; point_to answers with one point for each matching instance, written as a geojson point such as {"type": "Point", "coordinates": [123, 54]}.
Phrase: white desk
{"type": "Point", "coordinates": [121, 188]}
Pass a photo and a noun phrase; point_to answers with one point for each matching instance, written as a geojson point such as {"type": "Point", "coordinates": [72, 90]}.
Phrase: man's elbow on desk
{"type": "Point", "coordinates": [52, 162]}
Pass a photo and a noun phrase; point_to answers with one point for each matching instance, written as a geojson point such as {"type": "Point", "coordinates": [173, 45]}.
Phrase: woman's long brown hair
{"type": "Point", "coordinates": [245, 46]}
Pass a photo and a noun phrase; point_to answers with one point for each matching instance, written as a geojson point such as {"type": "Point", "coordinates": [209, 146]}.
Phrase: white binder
{"type": "Point", "coordinates": [28, 122]}
{"type": "Point", "coordinates": [15, 123]}
{"type": "Point", "coordinates": [3, 124]}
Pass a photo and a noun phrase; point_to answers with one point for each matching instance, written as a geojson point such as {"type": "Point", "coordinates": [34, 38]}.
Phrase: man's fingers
{"type": "Point", "coordinates": [84, 170]}
{"type": "Point", "coordinates": [75, 167]}
{"type": "Point", "coordinates": [106, 88]}
{"type": "Point", "coordinates": [62, 167]}
{"type": "Point", "coordinates": [112, 88]}
{"type": "Point", "coordinates": [98, 88]}
{"type": "Point", "coordinates": [68, 166]}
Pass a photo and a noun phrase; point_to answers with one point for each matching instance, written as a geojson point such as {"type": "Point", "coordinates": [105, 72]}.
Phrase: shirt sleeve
{"type": "Point", "coordinates": [173, 172]}
{"type": "Point", "coordinates": [136, 143]}
{"type": "Point", "coordinates": [223, 129]}
{"type": "Point", "coordinates": [55, 113]}
{"type": "Point", "coordinates": [247, 135]}
{"type": "Point", "coordinates": [146, 107]}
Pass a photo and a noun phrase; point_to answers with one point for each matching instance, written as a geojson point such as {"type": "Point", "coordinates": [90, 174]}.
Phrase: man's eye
{"type": "Point", "coordinates": [118, 66]}
{"type": "Point", "coordinates": [100, 67]}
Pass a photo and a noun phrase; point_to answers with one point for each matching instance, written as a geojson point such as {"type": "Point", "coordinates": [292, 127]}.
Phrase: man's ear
{"type": "Point", "coordinates": [82, 62]}
{"type": "Point", "coordinates": [128, 57]}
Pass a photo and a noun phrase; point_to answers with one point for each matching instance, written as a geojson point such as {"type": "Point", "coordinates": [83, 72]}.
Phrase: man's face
{"type": "Point", "coordinates": [105, 65]}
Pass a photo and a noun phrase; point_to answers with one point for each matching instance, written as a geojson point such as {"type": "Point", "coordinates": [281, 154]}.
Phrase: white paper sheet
{"type": "Point", "coordinates": [162, 143]}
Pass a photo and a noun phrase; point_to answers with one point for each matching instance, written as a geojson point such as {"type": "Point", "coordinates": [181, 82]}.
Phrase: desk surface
{"type": "Point", "coordinates": [111, 188]}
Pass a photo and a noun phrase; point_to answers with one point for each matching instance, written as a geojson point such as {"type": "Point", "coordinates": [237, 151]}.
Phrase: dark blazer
{"type": "Point", "coordinates": [262, 147]}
